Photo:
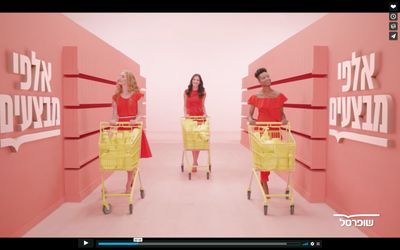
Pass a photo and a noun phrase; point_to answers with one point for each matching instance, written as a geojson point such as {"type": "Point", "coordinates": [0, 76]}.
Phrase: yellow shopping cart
{"type": "Point", "coordinates": [196, 136]}
{"type": "Point", "coordinates": [273, 149]}
{"type": "Point", "coordinates": [119, 150]}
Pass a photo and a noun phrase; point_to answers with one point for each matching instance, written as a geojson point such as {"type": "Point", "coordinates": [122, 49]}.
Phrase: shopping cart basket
{"type": "Point", "coordinates": [119, 150]}
{"type": "Point", "coordinates": [273, 149]}
{"type": "Point", "coordinates": [196, 136]}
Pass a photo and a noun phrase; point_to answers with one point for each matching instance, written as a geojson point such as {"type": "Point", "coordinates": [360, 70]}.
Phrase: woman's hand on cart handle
{"type": "Point", "coordinates": [284, 121]}
{"type": "Point", "coordinates": [113, 122]}
{"type": "Point", "coordinates": [251, 121]}
{"type": "Point", "coordinates": [134, 121]}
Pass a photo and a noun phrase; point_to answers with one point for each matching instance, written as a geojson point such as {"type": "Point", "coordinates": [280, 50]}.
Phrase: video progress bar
{"type": "Point", "coordinates": [108, 244]}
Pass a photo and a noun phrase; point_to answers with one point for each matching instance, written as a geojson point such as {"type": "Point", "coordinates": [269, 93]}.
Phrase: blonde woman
{"type": "Point", "coordinates": [126, 108]}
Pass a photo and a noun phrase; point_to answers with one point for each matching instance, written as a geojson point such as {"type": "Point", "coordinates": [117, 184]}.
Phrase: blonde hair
{"type": "Point", "coordinates": [132, 84]}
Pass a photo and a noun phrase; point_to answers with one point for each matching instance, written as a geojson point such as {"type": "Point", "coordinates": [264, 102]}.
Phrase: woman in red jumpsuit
{"type": "Point", "coordinates": [270, 109]}
{"type": "Point", "coordinates": [127, 108]}
{"type": "Point", "coordinates": [194, 97]}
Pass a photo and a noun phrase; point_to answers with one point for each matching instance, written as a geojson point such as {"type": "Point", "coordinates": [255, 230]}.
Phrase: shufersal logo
{"type": "Point", "coordinates": [360, 112]}
{"type": "Point", "coordinates": [20, 112]}
{"type": "Point", "coordinates": [360, 222]}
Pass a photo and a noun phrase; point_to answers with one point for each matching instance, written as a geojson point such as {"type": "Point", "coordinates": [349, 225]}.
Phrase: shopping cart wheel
{"type": "Point", "coordinates": [209, 167]}
{"type": "Point", "coordinates": [287, 192]}
{"type": "Point", "coordinates": [208, 175]}
{"type": "Point", "coordinates": [291, 209]}
{"type": "Point", "coordinates": [265, 209]}
{"type": "Point", "coordinates": [142, 193]}
{"type": "Point", "coordinates": [107, 210]}
{"type": "Point", "coordinates": [190, 176]}
{"type": "Point", "coordinates": [130, 208]}
{"type": "Point", "coordinates": [248, 194]}
{"type": "Point", "coordinates": [182, 168]}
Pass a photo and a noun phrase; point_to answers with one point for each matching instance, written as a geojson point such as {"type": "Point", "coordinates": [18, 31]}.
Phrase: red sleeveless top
{"type": "Point", "coordinates": [194, 104]}
{"type": "Point", "coordinates": [127, 109]}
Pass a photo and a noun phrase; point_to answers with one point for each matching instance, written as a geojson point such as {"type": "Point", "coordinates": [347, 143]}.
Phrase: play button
{"type": "Point", "coordinates": [85, 243]}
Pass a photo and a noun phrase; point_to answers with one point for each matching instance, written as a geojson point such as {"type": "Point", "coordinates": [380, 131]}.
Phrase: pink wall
{"type": "Point", "coordinates": [359, 178]}
{"type": "Point", "coordinates": [216, 45]}
{"type": "Point", "coordinates": [43, 174]}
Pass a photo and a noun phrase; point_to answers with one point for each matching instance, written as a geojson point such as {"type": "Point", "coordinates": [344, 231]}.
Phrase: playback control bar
{"type": "Point", "coordinates": [138, 242]}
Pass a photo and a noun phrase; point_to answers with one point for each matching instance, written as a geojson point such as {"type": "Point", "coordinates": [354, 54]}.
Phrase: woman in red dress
{"type": "Point", "coordinates": [194, 97]}
{"type": "Point", "coordinates": [270, 109]}
{"type": "Point", "coordinates": [127, 108]}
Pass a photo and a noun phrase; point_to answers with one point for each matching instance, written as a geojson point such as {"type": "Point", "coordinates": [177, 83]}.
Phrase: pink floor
{"type": "Point", "coordinates": [175, 206]}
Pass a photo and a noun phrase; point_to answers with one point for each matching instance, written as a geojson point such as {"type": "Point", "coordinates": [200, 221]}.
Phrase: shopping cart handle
{"type": "Point", "coordinates": [104, 125]}
{"type": "Point", "coordinates": [269, 125]}
{"type": "Point", "coordinates": [195, 117]}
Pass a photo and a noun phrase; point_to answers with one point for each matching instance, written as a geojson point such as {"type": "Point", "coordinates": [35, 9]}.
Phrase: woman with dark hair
{"type": "Point", "coordinates": [270, 109]}
{"type": "Point", "coordinates": [194, 97]}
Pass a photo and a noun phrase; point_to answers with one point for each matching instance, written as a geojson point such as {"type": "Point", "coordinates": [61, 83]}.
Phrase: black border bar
{"type": "Point", "coordinates": [173, 243]}
{"type": "Point", "coordinates": [196, 6]}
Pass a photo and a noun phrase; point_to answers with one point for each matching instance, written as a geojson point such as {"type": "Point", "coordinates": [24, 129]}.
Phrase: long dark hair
{"type": "Point", "coordinates": [200, 89]}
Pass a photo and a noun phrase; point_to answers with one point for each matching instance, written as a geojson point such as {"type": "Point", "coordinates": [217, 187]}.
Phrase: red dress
{"type": "Point", "coordinates": [127, 110]}
{"type": "Point", "coordinates": [269, 110]}
{"type": "Point", "coordinates": [194, 105]}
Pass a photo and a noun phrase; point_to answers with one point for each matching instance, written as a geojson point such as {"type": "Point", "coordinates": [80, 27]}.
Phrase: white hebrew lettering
{"type": "Point", "coordinates": [346, 74]}
{"type": "Point", "coordinates": [355, 61]}
{"type": "Point", "coordinates": [6, 114]}
{"type": "Point", "coordinates": [332, 111]}
{"type": "Point", "coordinates": [381, 113]}
{"type": "Point", "coordinates": [366, 112]}
{"type": "Point", "coordinates": [47, 108]}
{"type": "Point", "coordinates": [36, 73]}
{"type": "Point", "coordinates": [346, 112]}
{"type": "Point", "coordinates": [45, 77]}
{"type": "Point", "coordinates": [26, 113]}
{"type": "Point", "coordinates": [368, 72]}
{"type": "Point", "coordinates": [369, 223]}
{"type": "Point", "coordinates": [55, 116]}
{"type": "Point", "coordinates": [38, 107]}
{"type": "Point", "coordinates": [16, 105]}
{"type": "Point", "coordinates": [368, 124]}
{"type": "Point", "coordinates": [357, 109]}
{"type": "Point", "coordinates": [26, 70]}
{"type": "Point", "coordinates": [29, 111]}
{"type": "Point", "coordinates": [15, 63]}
